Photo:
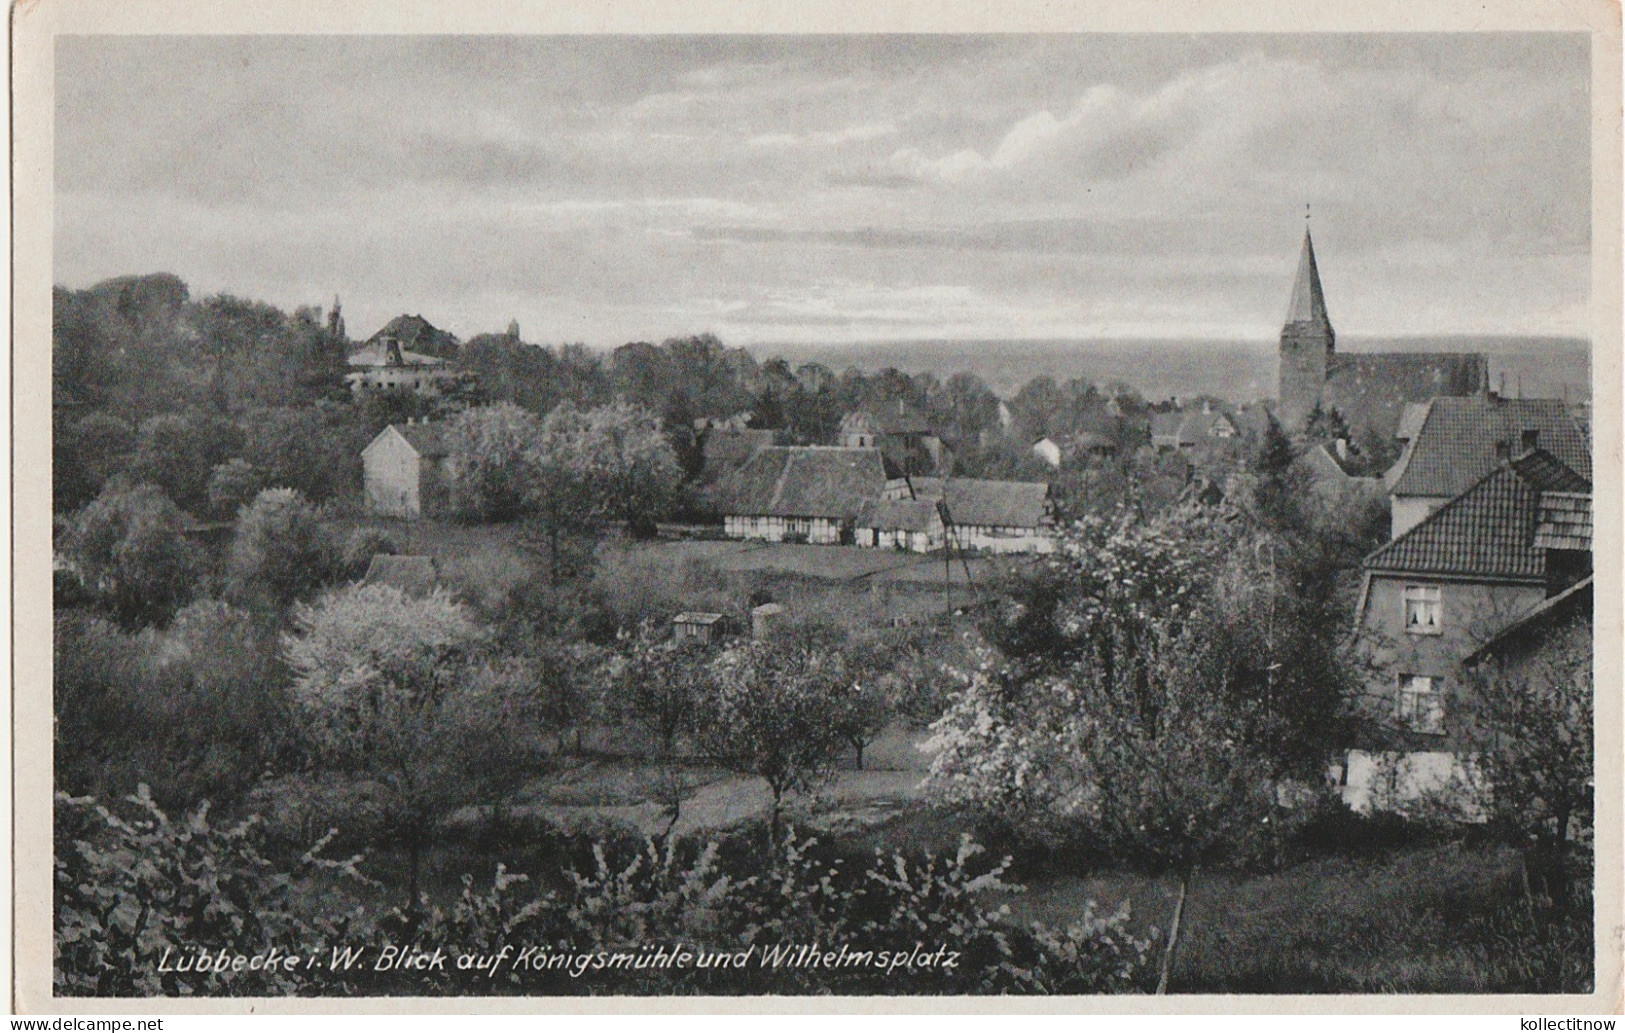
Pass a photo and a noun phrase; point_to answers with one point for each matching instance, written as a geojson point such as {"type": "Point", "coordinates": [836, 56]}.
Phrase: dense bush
{"type": "Point", "coordinates": [129, 551]}
{"type": "Point", "coordinates": [130, 889]}
{"type": "Point", "coordinates": [199, 709]}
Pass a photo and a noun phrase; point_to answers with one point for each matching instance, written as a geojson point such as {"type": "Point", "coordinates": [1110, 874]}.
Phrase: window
{"type": "Point", "coordinates": [1422, 610]}
{"type": "Point", "coordinates": [1421, 707]}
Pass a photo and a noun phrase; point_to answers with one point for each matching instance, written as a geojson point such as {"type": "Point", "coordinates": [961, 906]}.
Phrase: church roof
{"type": "Point", "coordinates": [1308, 305]}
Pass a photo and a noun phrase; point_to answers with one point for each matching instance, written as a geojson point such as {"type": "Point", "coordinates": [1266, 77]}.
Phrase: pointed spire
{"type": "Point", "coordinates": [1308, 302]}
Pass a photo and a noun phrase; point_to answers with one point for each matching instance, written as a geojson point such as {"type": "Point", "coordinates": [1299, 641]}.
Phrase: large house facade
{"type": "Point", "coordinates": [1434, 596]}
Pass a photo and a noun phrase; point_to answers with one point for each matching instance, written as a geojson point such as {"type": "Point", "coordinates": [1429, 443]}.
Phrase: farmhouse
{"type": "Point", "coordinates": [806, 493]}
{"type": "Point", "coordinates": [1463, 576]}
{"type": "Point", "coordinates": [403, 470]}
{"type": "Point", "coordinates": [911, 525]}
{"type": "Point", "coordinates": [993, 516]}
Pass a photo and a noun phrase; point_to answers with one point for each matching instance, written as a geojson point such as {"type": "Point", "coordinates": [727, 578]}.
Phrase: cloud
{"type": "Point", "coordinates": [642, 185]}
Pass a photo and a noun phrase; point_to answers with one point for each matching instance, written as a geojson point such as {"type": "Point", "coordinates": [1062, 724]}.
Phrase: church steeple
{"type": "Point", "coordinates": [1307, 342]}
{"type": "Point", "coordinates": [1307, 311]}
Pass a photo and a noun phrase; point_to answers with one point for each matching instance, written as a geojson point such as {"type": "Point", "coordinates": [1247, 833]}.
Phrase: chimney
{"type": "Point", "coordinates": [1531, 440]}
{"type": "Point", "coordinates": [1342, 446]}
{"type": "Point", "coordinates": [1503, 449]}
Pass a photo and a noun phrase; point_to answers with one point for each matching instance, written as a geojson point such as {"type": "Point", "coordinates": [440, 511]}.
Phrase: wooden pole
{"type": "Point", "coordinates": [1173, 931]}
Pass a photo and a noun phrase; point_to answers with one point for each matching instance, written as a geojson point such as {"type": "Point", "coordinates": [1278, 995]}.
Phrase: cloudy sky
{"type": "Point", "coordinates": [839, 189]}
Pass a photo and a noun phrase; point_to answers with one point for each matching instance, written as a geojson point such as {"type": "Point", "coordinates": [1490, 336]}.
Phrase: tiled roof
{"type": "Point", "coordinates": [1487, 531]}
{"type": "Point", "coordinates": [1410, 420]}
{"type": "Point", "coordinates": [988, 503]}
{"type": "Point", "coordinates": [1564, 521]}
{"type": "Point", "coordinates": [805, 481]}
{"type": "Point", "coordinates": [416, 332]}
{"type": "Point", "coordinates": [1535, 625]}
{"type": "Point", "coordinates": [427, 439]}
{"type": "Point", "coordinates": [996, 503]}
{"type": "Point", "coordinates": [724, 450]}
{"type": "Point", "coordinates": [1541, 469]}
{"type": "Point", "coordinates": [378, 355]}
{"type": "Point", "coordinates": [1457, 443]}
{"type": "Point", "coordinates": [413, 575]}
{"type": "Point", "coordinates": [900, 515]}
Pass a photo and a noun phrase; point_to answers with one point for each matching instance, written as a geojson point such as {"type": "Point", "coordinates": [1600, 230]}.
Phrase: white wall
{"type": "Point", "coordinates": [1413, 783]}
{"type": "Point", "coordinates": [391, 477]}
{"type": "Point", "coordinates": [1003, 539]}
{"type": "Point", "coordinates": [1410, 510]}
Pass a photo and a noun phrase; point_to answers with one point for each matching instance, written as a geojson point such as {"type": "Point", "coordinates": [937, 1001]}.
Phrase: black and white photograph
{"type": "Point", "coordinates": [837, 513]}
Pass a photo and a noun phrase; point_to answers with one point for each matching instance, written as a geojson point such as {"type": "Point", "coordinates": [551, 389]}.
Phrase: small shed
{"type": "Point", "coordinates": [705, 627]}
{"type": "Point", "coordinates": [413, 575]}
{"type": "Point", "coordinates": [764, 618]}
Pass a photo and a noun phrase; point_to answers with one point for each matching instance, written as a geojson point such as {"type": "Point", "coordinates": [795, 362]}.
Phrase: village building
{"type": "Point", "coordinates": [805, 493]}
{"type": "Point", "coordinates": [1434, 596]}
{"type": "Point", "coordinates": [999, 517]}
{"type": "Point", "coordinates": [1369, 390]}
{"type": "Point", "coordinates": [1047, 450]}
{"type": "Point", "coordinates": [1453, 442]}
{"type": "Point", "coordinates": [386, 366]}
{"type": "Point", "coordinates": [903, 436]}
{"type": "Point", "coordinates": [1088, 444]}
{"type": "Point", "coordinates": [1188, 430]}
{"type": "Point", "coordinates": [907, 524]}
{"type": "Point", "coordinates": [403, 470]}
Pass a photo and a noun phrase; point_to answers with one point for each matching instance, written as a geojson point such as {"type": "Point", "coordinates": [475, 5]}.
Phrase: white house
{"type": "Point", "coordinates": [403, 470]}
{"type": "Point", "coordinates": [1047, 450]}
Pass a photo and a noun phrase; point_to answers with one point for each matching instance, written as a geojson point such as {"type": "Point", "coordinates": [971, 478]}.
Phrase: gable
{"type": "Point", "coordinates": [1488, 531]}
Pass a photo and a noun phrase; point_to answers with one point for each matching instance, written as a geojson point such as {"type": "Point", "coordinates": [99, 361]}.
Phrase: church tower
{"type": "Point", "coordinates": [1307, 342]}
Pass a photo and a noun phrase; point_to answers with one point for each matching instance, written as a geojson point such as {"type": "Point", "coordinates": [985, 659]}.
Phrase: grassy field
{"type": "Point", "coordinates": [842, 584]}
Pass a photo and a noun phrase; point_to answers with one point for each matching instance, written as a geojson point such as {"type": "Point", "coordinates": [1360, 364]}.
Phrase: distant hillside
{"type": "Point", "coordinates": [1241, 370]}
